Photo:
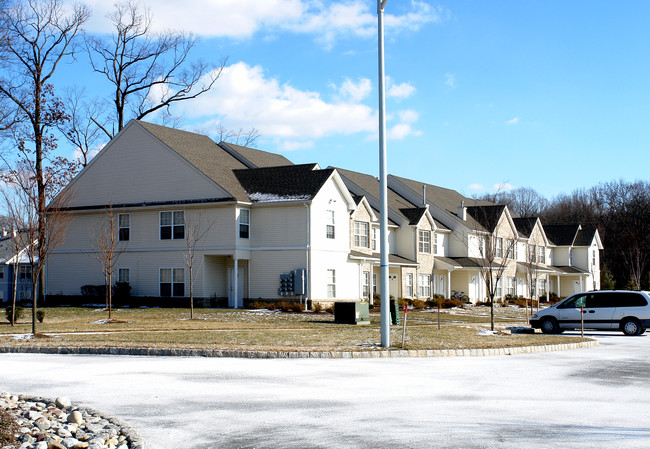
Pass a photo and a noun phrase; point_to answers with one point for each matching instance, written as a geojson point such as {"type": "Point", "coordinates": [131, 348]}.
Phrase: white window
{"type": "Point", "coordinates": [409, 285]}
{"type": "Point", "coordinates": [172, 225]}
{"type": "Point", "coordinates": [435, 243]}
{"type": "Point", "coordinates": [498, 247]}
{"type": "Point", "coordinates": [424, 241]}
{"type": "Point", "coordinates": [593, 258]}
{"type": "Point", "coordinates": [366, 284]}
{"type": "Point", "coordinates": [244, 223]}
{"type": "Point", "coordinates": [541, 254]}
{"type": "Point", "coordinates": [172, 282]}
{"type": "Point", "coordinates": [425, 285]}
{"type": "Point", "coordinates": [510, 286]}
{"type": "Point", "coordinates": [329, 228]}
{"type": "Point", "coordinates": [374, 283]}
{"type": "Point", "coordinates": [510, 250]}
{"type": "Point", "coordinates": [25, 295]}
{"type": "Point", "coordinates": [498, 292]}
{"type": "Point", "coordinates": [571, 256]}
{"type": "Point", "coordinates": [123, 275]}
{"type": "Point", "coordinates": [331, 283]}
{"type": "Point", "coordinates": [531, 253]}
{"type": "Point", "coordinates": [124, 226]}
{"type": "Point", "coordinates": [361, 234]}
{"type": "Point", "coordinates": [25, 272]}
{"type": "Point", "coordinates": [375, 238]}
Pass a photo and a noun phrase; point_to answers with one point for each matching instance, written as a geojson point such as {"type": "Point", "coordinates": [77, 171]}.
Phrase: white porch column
{"type": "Point", "coordinates": [448, 284]}
{"type": "Point", "coordinates": [235, 280]}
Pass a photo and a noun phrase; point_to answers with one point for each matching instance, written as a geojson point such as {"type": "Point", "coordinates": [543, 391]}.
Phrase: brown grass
{"type": "Point", "coordinates": [259, 330]}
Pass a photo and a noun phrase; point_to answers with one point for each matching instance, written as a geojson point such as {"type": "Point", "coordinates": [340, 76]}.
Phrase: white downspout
{"type": "Point", "coordinates": [308, 254]}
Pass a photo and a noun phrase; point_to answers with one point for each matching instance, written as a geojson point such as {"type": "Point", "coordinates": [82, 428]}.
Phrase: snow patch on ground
{"type": "Point", "coordinates": [104, 321]}
{"type": "Point", "coordinates": [24, 337]}
{"type": "Point", "coordinates": [487, 332]}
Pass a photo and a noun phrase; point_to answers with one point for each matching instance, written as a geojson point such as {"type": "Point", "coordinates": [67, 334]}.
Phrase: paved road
{"type": "Point", "coordinates": [582, 398]}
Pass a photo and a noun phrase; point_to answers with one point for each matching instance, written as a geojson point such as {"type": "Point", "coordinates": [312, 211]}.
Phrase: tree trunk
{"type": "Point", "coordinates": [13, 304]}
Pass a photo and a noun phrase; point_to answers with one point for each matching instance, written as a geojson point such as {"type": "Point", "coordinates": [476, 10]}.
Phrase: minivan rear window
{"type": "Point", "coordinates": [628, 299]}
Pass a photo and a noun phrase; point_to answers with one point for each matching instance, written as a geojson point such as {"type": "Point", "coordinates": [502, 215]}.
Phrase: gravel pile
{"type": "Point", "coordinates": [46, 424]}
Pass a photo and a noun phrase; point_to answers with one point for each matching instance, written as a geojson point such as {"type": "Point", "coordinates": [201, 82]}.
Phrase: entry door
{"type": "Point", "coordinates": [393, 286]}
{"type": "Point", "coordinates": [231, 288]}
{"type": "Point", "coordinates": [576, 287]}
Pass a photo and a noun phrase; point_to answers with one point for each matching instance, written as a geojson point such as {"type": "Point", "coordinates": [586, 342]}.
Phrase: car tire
{"type": "Point", "coordinates": [550, 326]}
{"type": "Point", "coordinates": [631, 327]}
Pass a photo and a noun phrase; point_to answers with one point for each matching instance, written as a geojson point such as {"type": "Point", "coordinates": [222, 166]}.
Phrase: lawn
{"type": "Point", "coordinates": [263, 330]}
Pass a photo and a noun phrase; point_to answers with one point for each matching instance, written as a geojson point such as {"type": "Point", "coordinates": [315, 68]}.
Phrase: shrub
{"type": "Point", "coordinates": [40, 315]}
{"type": "Point", "coordinates": [316, 307]}
{"type": "Point", "coordinates": [17, 316]}
{"type": "Point", "coordinates": [258, 305]}
{"type": "Point", "coordinates": [419, 304]}
{"type": "Point", "coordinates": [271, 306]}
{"type": "Point", "coordinates": [96, 291]}
{"type": "Point", "coordinates": [330, 309]}
{"type": "Point", "coordinates": [8, 429]}
{"type": "Point", "coordinates": [296, 307]}
{"type": "Point", "coordinates": [446, 303]}
{"type": "Point", "coordinates": [122, 290]}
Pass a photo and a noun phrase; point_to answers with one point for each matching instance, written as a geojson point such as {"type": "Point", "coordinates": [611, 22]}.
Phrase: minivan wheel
{"type": "Point", "coordinates": [550, 326]}
{"type": "Point", "coordinates": [631, 327]}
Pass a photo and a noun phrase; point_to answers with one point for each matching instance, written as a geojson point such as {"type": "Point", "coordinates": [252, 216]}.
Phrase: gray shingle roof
{"type": "Point", "coordinates": [585, 237]}
{"type": "Point", "coordinates": [284, 183]}
{"type": "Point", "coordinates": [446, 199]}
{"type": "Point", "coordinates": [525, 225]}
{"type": "Point", "coordinates": [253, 158]}
{"type": "Point", "coordinates": [562, 235]}
{"type": "Point", "coordinates": [487, 215]}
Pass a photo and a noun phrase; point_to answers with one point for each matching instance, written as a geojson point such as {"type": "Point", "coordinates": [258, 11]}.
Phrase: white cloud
{"type": "Point", "coordinates": [399, 91]}
{"type": "Point", "coordinates": [476, 188]}
{"type": "Point", "coordinates": [245, 97]}
{"type": "Point", "coordinates": [503, 187]}
{"type": "Point", "coordinates": [513, 121]}
{"type": "Point", "coordinates": [77, 156]}
{"type": "Point", "coordinates": [450, 80]}
{"type": "Point", "coordinates": [326, 21]}
{"type": "Point", "coordinates": [355, 92]}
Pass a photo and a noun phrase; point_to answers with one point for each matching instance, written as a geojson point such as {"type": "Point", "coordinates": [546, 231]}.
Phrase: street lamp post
{"type": "Point", "coordinates": [383, 207]}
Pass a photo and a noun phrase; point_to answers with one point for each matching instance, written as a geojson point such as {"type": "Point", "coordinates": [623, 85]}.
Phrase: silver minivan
{"type": "Point", "coordinates": [624, 310]}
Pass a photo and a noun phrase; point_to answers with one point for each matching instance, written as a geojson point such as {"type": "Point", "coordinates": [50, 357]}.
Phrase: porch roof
{"type": "Point", "coordinates": [523, 267]}
{"type": "Point", "coordinates": [393, 259]}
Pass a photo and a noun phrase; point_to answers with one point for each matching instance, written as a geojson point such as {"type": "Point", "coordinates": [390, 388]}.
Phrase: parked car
{"type": "Point", "coordinates": [627, 311]}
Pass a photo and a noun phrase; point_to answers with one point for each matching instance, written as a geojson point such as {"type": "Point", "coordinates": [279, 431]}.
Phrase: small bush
{"type": "Point", "coordinates": [330, 309]}
{"type": "Point", "coordinates": [17, 316]}
{"type": "Point", "coordinates": [296, 307]}
{"type": "Point", "coordinates": [8, 429]}
{"type": "Point", "coordinates": [316, 307]}
{"type": "Point", "coordinates": [271, 306]}
{"type": "Point", "coordinates": [122, 291]}
{"type": "Point", "coordinates": [40, 315]}
{"type": "Point", "coordinates": [446, 303]}
{"type": "Point", "coordinates": [419, 304]}
{"type": "Point", "coordinates": [284, 306]}
{"type": "Point", "coordinates": [95, 291]}
{"type": "Point", "coordinates": [258, 305]}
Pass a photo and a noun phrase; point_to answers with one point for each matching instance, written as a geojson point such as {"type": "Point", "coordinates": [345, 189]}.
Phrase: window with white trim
{"type": "Point", "coordinates": [424, 241]}
{"type": "Point", "coordinates": [361, 234]}
{"type": "Point", "coordinates": [330, 232]}
{"type": "Point", "coordinates": [374, 283]}
{"type": "Point", "coordinates": [435, 243]}
{"type": "Point", "coordinates": [124, 227]}
{"type": "Point", "coordinates": [593, 258]}
{"type": "Point", "coordinates": [498, 291]}
{"type": "Point", "coordinates": [510, 250]}
{"type": "Point", "coordinates": [375, 238]}
{"type": "Point", "coordinates": [172, 282]}
{"type": "Point", "coordinates": [409, 285]}
{"type": "Point", "coordinates": [123, 275]}
{"type": "Point", "coordinates": [541, 254]}
{"type": "Point", "coordinates": [331, 283]}
{"type": "Point", "coordinates": [498, 247]}
{"type": "Point", "coordinates": [531, 253]}
{"type": "Point", "coordinates": [172, 225]}
{"type": "Point", "coordinates": [510, 286]}
{"type": "Point", "coordinates": [244, 224]}
{"type": "Point", "coordinates": [424, 286]}
{"type": "Point", "coordinates": [366, 284]}
{"type": "Point", "coordinates": [25, 272]}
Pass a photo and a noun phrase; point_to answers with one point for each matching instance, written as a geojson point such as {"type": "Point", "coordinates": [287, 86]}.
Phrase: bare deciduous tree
{"type": "Point", "coordinates": [82, 130]}
{"type": "Point", "coordinates": [109, 248]}
{"type": "Point", "coordinates": [37, 36]}
{"type": "Point", "coordinates": [149, 72]}
{"type": "Point", "coordinates": [243, 137]}
{"type": "Point", "coordinates": [195, 234]}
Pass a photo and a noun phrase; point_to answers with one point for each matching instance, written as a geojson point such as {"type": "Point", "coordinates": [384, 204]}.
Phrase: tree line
{"type": "Point", "coordinates": [620, 210]}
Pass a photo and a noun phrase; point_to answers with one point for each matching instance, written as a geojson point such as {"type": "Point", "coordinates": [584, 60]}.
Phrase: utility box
{"type": "Point", "coordinates": [394, 311]}
{"type": "Point", "coordinates": [352, 312]}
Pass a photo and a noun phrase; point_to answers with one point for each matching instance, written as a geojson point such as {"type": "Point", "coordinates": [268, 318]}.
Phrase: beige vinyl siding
{"type": "Point", "coordinates": [139, 168]}
{"type": "Point", "coordinates": [266, 267]}
{"type": "Point", "coordinates": [279, 226]}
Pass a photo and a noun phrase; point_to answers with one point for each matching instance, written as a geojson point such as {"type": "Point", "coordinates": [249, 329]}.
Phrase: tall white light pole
{"type": "Point", "coordinates": [383, 194]}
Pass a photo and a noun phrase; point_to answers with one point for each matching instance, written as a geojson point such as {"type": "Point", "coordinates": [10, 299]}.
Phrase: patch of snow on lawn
{"type": "Point", "coordinates": [487, 332]}
{"type": "Point", "coordinates": [24, 337]}
{"type": "Point", "coordinates": [104, 321]}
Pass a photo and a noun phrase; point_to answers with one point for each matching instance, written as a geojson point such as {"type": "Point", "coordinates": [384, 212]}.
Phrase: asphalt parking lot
{"type": "Point", "coordinates": [597, 397]}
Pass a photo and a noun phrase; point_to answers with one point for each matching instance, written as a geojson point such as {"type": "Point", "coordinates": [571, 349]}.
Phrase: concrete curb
{"type": "Point", "coordinates": [371, 354]}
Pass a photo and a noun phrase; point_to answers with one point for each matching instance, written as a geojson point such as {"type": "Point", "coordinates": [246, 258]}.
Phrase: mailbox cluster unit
{"type": "Point", "coordinates": [293, 283]}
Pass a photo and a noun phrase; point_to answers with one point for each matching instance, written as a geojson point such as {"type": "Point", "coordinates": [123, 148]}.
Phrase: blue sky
{"type": "Point", "coordinates": [551, 95]}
